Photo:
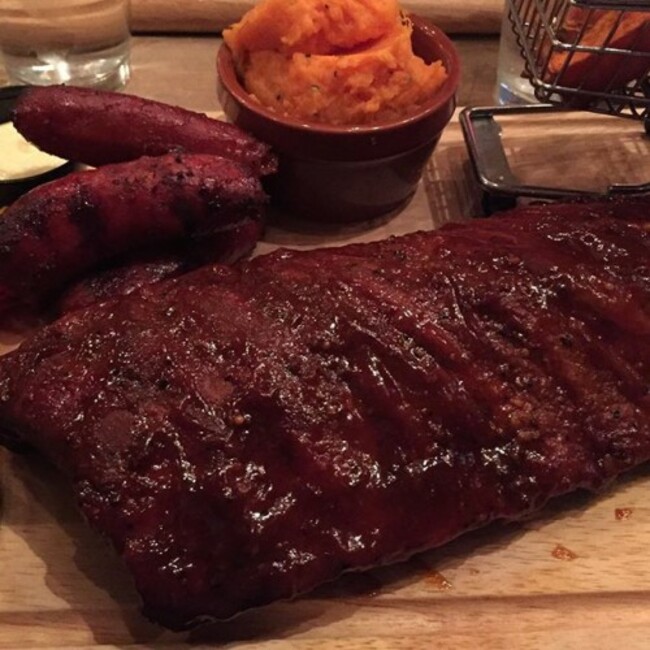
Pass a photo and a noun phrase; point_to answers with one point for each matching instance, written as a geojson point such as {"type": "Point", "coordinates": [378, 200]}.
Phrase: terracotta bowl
{"type": "Point", "coordinates": [344, 174]}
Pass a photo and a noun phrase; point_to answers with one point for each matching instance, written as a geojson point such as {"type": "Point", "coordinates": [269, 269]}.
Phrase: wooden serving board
{"type": "Point", "coordinates": [454, 16]}
{"type": "Point", "coordinates": [575, 576]}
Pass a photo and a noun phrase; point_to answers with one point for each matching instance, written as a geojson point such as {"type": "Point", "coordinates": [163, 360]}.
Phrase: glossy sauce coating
{"type": "Point", "coordinates": [245, 434]}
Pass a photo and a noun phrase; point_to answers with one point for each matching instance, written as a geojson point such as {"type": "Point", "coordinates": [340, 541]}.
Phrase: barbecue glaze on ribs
{"type": "Point", "coordinates": [245, 434]}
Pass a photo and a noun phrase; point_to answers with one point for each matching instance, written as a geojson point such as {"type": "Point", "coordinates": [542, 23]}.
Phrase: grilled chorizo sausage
{"type": "Point", "coordinates": [66, 227]}
{"type": "Point", "coordinates": [99, 127]}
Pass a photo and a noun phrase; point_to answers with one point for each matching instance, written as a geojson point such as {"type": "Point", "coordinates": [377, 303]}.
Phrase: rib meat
{"type": "Point", "coordinates": [243, 434]}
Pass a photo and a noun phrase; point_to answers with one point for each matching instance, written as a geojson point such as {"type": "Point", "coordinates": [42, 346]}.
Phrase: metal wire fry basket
{"type": "Point", "coordinates": [587, 54]}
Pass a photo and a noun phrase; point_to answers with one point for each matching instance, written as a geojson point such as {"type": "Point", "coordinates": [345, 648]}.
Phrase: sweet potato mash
{"type": "Point", "coordinates": [311, 27]}
{"type": "Point", "coordinates": [340, 62]}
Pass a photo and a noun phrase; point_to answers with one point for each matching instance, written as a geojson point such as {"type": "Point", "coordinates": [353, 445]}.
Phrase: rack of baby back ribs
{"type": "Point", "coordinates": [589, 55]}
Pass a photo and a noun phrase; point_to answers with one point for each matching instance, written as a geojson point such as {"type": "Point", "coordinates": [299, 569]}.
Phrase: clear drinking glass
{"type": "Point", "coordinates": [512, 86]}
{"type": "Point", "coordinates": [78, 42]}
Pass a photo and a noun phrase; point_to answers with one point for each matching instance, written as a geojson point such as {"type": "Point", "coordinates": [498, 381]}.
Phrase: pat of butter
{"type": "Point", "coordinates": [20, 159]}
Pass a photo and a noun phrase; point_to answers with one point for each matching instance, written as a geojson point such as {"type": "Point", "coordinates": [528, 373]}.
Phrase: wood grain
{"type": "Point", "coordinates": [454, 16]}
{"type": "Point", "coordinates": [501, 587]}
